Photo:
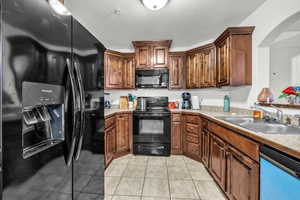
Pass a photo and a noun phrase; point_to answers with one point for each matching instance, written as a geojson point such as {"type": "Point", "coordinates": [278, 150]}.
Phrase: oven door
{"type": "Point", "coordinates": [151, 134]}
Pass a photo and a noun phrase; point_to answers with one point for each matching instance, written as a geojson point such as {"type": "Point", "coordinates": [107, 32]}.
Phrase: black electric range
{"type": "Point", "coordinates": [151, 128]}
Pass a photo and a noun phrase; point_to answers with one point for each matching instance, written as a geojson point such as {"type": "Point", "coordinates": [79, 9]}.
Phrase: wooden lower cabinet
{"type": "Point", "coordinates": [242, 176]}
{"type": "Point", "coordinates": [122, 132]}
{"type": "Point", "coordinates": [191, 136]}
{"type": "Point", "coordinates": [118, 136]}
{"type": "Point", "coordinates": [205, 147]}
{"type": "Point", "coordinates": [110, 144]}
{"type": "Point", "coordinates": [176, 134]}
{"type": "Point", "coordinates": [218, 160]}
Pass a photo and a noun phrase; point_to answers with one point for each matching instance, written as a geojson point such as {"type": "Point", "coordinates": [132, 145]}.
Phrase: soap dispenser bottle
{"type": "Point", "coordinates": [226, 106]}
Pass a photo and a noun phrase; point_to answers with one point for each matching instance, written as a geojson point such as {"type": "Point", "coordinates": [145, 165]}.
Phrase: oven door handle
{"type": "Point", "coordinates": [152, 115]}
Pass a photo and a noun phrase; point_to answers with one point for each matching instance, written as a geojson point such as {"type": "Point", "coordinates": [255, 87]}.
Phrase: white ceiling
{"type": "Point", "coordinates": [186, 22]}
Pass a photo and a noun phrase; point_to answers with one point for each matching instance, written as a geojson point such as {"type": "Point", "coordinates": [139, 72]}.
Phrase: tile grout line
{"type": "Point", "coordinates": [141, 196]}
{"type": "Point", "coordinates": [168, 179]}
{"type": "Point", "coordinates": [192, 180]}
{"type": "Point", "coordinates": [114, 193]}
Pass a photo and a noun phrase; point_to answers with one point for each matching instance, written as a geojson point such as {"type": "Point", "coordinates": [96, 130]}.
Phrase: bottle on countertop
{"type": "Point", "coordinates": [226, 106]}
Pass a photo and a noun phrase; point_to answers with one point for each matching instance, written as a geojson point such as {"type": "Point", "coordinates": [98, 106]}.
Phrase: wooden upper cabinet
{"type": "Point", "coordinates": [242, 176]}
{"type": "Point", "coordinates": [160, 57]}
{"type": "Point", "coordinates": [152, 54]}
{"type": "Point", "coordinates": [234, 56]}
{"type": "Point", "coordinates": [129, 71]}
{"type": "Point", "coordinates": [143, 57]}
{"type": "Point", "coordinates": [191, 77]}
{"type": "Point", "coordinates": [176, 70]}
{"type": "Point", "coordinates": [201, 67]}
{"type": "Point", "coordinates": [119, 70]}
{"type": "Point", "coordinates": [113, 70]}
{"type": "Point", "coordinates": [209, 68]}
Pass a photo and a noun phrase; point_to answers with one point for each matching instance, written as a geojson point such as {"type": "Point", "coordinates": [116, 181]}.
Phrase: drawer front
{"type": "Point", "coordinates": [176, 117]}
{"type": "Point", "coordinates": [192, 128]}
{"type": "Point", "coordinates": [245, 145]}
{"type": "Point", "coordinates": [109, 122]}
{"type": "Point", "coordinates": [192, 148]}
{"type": "Point", "coordinates": [192, 119]}
{"type": "Point", "coordinates": [192, 138]}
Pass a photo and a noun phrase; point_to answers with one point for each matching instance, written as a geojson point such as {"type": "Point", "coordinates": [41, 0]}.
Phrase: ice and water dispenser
{"type": "Point", "coordinates": [43, 117]}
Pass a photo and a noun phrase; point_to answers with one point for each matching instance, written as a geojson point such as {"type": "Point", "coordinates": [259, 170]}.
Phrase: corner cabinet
{"type": "Point", "coordinates": [118, 136]}
{"type": "Point", "coordinates": [201, 67]}
{"type": "Point", "coordinates": [151, 54]}
{"type": "Point", "coordinates": [113, 69]}
{"type": "Point", "coordinates": [110, 140]}
{"type": "Point", "coordinates": [128, 71]}
{"type": "Point", "coordinates": [119, 70]}
{"type": "Point", "coordinates": [176, 70]}
{"type": "Point", "coordinates": [234, 57]}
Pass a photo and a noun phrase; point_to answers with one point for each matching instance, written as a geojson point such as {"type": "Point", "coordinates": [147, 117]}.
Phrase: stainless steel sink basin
{"type": "Point", "coordinates": [261, 125]}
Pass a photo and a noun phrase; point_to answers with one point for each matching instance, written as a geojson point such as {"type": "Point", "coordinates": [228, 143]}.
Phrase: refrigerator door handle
{"type": "Point", "coordinates": [82, 110]}
{"type": "Point", "coordinates": [71, 150]}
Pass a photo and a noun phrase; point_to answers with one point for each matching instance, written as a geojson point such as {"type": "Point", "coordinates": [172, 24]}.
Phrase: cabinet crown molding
{"type": "Point", "coordinates": [152, 42]}
{"type": "Point", "coordinates": [201, 48]}
{"type": "Point", "coordinates": [243, 30]}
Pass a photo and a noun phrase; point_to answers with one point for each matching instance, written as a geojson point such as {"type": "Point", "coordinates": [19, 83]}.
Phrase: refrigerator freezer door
{"type": "Point", "coordinates": [35, 44]}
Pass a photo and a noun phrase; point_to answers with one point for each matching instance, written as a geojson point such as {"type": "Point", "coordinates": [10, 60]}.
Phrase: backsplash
{"type": "Point", "coordinates": [210, 96]}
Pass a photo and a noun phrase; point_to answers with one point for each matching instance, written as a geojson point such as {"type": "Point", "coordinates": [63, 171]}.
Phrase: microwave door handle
{"type": "Point", "coordinates": [71, 83]}
{"type": "Point", "coordinates": [82, 110]}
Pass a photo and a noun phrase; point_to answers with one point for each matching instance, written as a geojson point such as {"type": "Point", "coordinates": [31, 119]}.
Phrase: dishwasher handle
{"type": "Point", "coordinates": [281, 160]}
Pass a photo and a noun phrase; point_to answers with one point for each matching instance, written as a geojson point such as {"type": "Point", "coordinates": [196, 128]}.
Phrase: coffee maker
{"type": "Point", "coordinates": [186, 100]}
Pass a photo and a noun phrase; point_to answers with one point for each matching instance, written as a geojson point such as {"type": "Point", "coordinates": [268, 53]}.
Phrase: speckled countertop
{"type": "Point", "coordinates": [109, 112]}
{"type": "Point", "coordinates": [288, 143]}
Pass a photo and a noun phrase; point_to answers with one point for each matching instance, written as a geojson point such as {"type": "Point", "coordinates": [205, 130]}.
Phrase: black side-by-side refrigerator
{"type": "Point", "coordinates": [51, 68]}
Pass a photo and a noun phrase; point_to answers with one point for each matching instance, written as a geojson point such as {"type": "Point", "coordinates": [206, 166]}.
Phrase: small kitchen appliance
{"type": "Point", "coordinates": [186, 100]}
{"type": "Point", "coordinates": [142, 104]}
{"type": "Point", "coordinates": [157, 78]}
{"type": "Point", "coordinates": [195, 103]}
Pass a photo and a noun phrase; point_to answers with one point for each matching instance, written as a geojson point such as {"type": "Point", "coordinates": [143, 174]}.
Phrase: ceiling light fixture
{"type": "Point", "coordinates": [58, 7]}
{"type": "Point", "coordinates": [155, 4]}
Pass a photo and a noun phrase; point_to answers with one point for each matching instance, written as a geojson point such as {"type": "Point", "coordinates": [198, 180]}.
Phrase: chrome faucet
{"type": "Point", "coordinates": [269, 115]}
{"type": "Point", "coordinates": [298, 117]}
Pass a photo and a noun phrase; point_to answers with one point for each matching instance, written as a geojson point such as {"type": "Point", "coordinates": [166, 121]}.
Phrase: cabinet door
{"type": "Point", "coordinates": [199, 81]}
{"type": "Point", "coordinates": [205, 147]}
{"type": "Point", "coordinates": [122, 129]}
{"type": "Point", "coordinates": [192, 75]}
{"type": "Point", "coordinates": [176, 71]}
{"type": "Point", "coordinates": [223, 64]}
{"type": "Point", "coordinates": [113, 72]}
{"type": "Point", "coordinates": [143, 55]}
{"type": "Point", "coordinates": [176, 138]}
{"type": "Point", "coordinates": [243, 176]}
{"type": "Point", "coordinates": [217, 160]}
{"type": "Point", "coordinates": [110, 143]}
{"type": "Point", "coordinates": [209, 68]}
{"type": "Point", "coordinates": [129, 73]}
{"type": "Point", "coordinates": [160, 57]}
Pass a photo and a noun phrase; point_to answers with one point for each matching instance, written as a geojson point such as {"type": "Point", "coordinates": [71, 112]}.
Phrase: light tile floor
{"type": "Point", "coordinates": [159, 178]}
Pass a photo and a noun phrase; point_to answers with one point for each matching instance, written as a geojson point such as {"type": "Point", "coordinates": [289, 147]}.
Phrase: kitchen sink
{"type": "Point", "coordinates": [262, 125]}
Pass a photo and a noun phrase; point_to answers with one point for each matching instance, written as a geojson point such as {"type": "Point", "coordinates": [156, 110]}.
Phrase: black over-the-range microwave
{"type": "Point", "coordinates": [156, 78]}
